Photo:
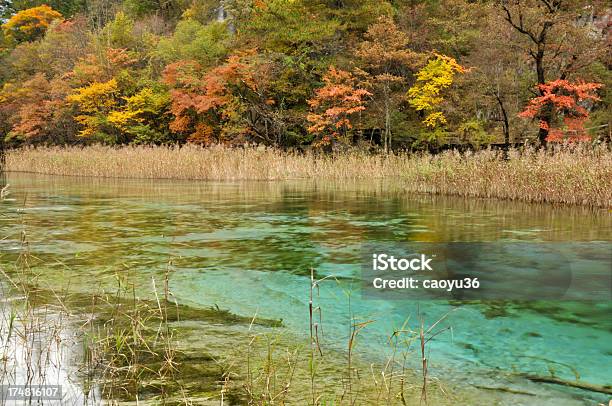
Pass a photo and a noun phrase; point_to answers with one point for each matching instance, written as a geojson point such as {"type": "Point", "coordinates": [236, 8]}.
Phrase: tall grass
{"type": "Point", "coordinates": [568, 174]}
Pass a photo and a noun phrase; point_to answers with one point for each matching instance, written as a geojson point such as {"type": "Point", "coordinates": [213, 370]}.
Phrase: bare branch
{"type": "Point", "coordinates": [519, 26]}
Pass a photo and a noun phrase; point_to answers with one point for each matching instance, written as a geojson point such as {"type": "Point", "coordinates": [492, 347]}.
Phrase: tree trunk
{"type": "Point", "coordinates": [387, 121]}
{"type": "Point", "coordinates": [540, 41]}
{"type": "Point", "coordinates": [574, 384]}
{"type": "Point", "coordinates": [505, 121]}
{"type": "Point", "coordinates": [387, 129]}
{"type": "Point", "coordinates": [546, 114]}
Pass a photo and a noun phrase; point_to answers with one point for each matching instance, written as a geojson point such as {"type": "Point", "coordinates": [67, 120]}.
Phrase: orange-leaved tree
{"type": "Point", "coordinates": [387, 62]}
{"type": "Point", "coordinates": [333, 105]}
{"type": "Point", "coordinates": [209, 106]}
{"type": "Point", "coordinates": [30, 24]}
{"type": "Point", "coordinates": [35, 110]}
{"type": "Point", "coordinates": [565, 103]}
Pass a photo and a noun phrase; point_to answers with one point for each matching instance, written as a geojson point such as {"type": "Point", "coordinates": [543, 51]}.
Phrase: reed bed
{"type": "Point", "coordinates": [566, 174]}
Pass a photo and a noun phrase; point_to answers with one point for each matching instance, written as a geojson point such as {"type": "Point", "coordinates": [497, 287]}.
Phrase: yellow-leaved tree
{"type": "Point", "coordinates": [427, 93]}
{"type": "Point", "coordinates": [95, 102]}
{"type": "Point", "coordinates": [30, 24]}
{"type": "Point", "coordinates": [143, 116]}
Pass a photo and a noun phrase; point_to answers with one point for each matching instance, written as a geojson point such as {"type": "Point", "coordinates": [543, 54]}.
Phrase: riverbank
{"type": "Point", "coordinates": [578, 176]}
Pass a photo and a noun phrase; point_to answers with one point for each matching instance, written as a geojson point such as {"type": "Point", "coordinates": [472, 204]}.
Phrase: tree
{"type": "Point", "coordinates": [292, 27]}
{"type": "Point", "coordinates": [63, 45]}
{"type": "Point", "coordinates": [209, 106]}
{"type": "Point", "coordinates": [35, 110]}
{"type": "Point", "coordinates": [168, 62]}
{"type": "Point", "coordinates": [426, 94]}
{"type": "Point", "coordinates": [554, 40]}
{"type": "Point", "coordinates": [95, 102]}
{"type": "Point", "coordinates": [387, 60]}
{"type": "Point", "coordinates": [143, 116]}
{"type": "Point", "coordinates": [242, 100]}
{"type": "Point", "coordinates": [333, 106]}
{"type": "Point", "coordinates": [496, 89]}
{"type": "Point", "coordinates": [119, 32]}
{"type": "Point", "coordinates": [359, 15]}
{"type": "Point", "coordinates": [30, 24]}
{"type": "Point", "coordinates": [564, 103]}
{"type": "Point", "coordinates": [67, 8]}
{"type": "Point", "coordinates": [168, 9]}
{"type": "Point", "coordinates": [56, 54]}
{"type": "Point", "coordinates": [192, 40]}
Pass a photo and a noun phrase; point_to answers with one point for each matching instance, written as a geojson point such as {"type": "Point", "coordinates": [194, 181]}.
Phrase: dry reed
{"type": "Point", "coordinates": [570, 175]}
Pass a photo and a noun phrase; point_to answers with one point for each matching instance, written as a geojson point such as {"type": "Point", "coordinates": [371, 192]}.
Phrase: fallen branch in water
{"type": "Point", "coordinates": [607, 389]}
{"type": "Point", "coordinates": [505, 389]}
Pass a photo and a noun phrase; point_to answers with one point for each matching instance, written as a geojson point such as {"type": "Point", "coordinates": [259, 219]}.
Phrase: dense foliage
{"type": "Point", "coordinates": [298, 73]}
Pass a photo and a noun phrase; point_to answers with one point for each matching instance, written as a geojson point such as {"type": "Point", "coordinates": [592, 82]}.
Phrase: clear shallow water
{"type": "Point", "coordinates": [248, 247]}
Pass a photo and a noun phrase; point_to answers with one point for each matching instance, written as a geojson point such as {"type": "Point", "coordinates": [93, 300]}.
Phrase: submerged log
{"type": "Point", "coordinates": [607, 389]}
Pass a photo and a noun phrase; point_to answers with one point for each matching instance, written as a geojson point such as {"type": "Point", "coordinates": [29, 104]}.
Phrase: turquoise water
{"type": "Point", "coordinates": [249, 247]}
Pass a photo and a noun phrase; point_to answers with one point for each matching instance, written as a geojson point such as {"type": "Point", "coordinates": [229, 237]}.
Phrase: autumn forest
{"type": "Point", "coordinates": [316, 74]}
{"type": "Point", "coordinates": [195, 194]}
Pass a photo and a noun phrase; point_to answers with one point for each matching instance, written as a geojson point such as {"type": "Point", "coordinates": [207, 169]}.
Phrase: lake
{"type": "Point", "coordinates": [249, 247]}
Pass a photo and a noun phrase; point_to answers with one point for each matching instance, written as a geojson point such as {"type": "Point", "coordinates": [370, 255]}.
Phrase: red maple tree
{"type": "Point", "coordinates": [565, 102]}
{"type": "Point", "coordinates": [204, 102]}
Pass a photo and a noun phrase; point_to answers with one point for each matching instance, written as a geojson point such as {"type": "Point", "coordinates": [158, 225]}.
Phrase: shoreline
{"type": "Point", "coordinates": [578, 177]}
{"type": "Point", "coordinates": [483, 200]}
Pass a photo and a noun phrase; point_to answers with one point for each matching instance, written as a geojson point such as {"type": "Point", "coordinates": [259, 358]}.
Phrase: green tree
{"type": "Point", "coordinates": [291, 27]}
{"type": "Point", "coordinates": [119, 32]}
{"type": "Point", "coordinates": [169, 9]}
{"type": "Point", "coordinates": [358, 15]}
{"type": "Point", "coordinates": [208, 44]}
